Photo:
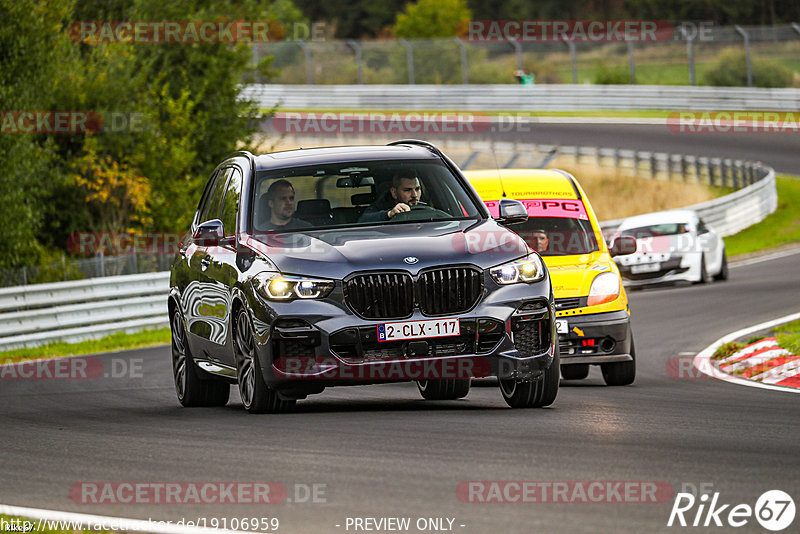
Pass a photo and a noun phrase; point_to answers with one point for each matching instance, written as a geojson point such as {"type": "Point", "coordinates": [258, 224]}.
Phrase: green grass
{"type": "Point", "coordinates": [113, 342]}
{"type": "Point", "coordinates": [780, 228]}
{"type": "Point", "coordinates": [788, 336]}
{"type": "Point", "coordinates": [726, 349]}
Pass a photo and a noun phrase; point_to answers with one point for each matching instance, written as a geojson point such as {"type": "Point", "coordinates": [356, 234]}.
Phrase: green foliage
{"type": "Point", "coordinates": [779, 228]}
{"type": "Point", "coordinates": [427, 19]}
{"type": "Point", "coordinates": [611, 75]}
{"type": "Point", "coordinates": [730, 70]}
{"type": "Point", "coordinates": [726, 349]}
{"type": "Point", "coordinates": [32, 53]}
{"type": "Point", "coordinates": [179, 108]}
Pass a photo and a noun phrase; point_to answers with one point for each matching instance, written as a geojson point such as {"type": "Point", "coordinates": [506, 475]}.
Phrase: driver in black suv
{"type": "Point", "coordinates": [404, 193]}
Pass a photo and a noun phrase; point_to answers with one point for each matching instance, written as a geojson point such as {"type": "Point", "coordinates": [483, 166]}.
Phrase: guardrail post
{"type": "Point", "coordinates": [746, 37]}
{"type": "Point", "coordinates": [309, 61]}
{"type": "Point", "coordinates": [689, 53]}
{"type": "Point", "coordinates": [464, 62]}
{"type": "Point", "coordinates": [631, 62]}
{"type": "Point", "coordinates": [710, 166]}
{"type": "Point", "coordinates": [724, 169]}
{"type": "Point", "coordinates": [409, 59]}
{"type": "Point", "coordinates": [572, 59]}
{"type": "Point", "coordinates": [653, 165]}
{"type": "Point", "coordinates": [357, 51]}
{"type": "Point", "coordinates": [698, 174]}
{"type": "Point", "coordinates": [616, 159]}
{"type": "Point", "coordinates": [518, 51]}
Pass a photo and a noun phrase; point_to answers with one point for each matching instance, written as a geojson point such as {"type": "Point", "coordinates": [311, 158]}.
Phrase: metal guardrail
{"type": "Point", "coordinates": [73, 311]}
{"type": "Point", "coordinates": [560, 97]}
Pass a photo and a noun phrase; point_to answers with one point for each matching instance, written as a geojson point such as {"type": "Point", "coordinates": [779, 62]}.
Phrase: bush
{"type": "Point", "coordinates": [729, 69]}
{"type": "Point", "coordinates": [611, 75]}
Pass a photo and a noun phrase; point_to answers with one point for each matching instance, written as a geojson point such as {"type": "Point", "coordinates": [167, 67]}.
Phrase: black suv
{"type": "Point", "coordinates": [324, 267]}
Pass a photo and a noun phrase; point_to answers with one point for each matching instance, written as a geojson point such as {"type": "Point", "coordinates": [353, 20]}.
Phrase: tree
{"type": "Point", "coordinates": [432, 18]}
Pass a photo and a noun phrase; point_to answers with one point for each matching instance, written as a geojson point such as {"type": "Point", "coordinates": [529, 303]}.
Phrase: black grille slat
{"type": "Point", "coordinates": [442, 291]}
{"type": "Point", "coordinates": [449, 290]}
{"type": "Point", "coordinates": [380, 295]}
{"type": "Point", "coordinates": [568, 303]}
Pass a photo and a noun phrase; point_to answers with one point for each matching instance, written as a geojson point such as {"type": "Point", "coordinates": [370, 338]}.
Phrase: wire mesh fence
{"type": "Point", "coordinates": [684, 58]}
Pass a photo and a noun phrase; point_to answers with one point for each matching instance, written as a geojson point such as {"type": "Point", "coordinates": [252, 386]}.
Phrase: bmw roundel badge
{"type": "Point", "coordinates": [411, 260]}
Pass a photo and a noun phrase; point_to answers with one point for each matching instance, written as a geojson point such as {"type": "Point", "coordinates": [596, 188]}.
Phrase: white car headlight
{"type": "Point", "coordinates": [605, 288]}
{"type": "Point", "coordinates": [275, 286]}
{"type": "Point", "coordinates": [528, 269]}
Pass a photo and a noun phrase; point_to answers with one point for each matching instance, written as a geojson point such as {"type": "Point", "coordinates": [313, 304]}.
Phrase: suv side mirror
{"type": "Point", "coordinates": [622, 245]}
{"type": "Point", "coordinates": [512, 212]}
{"type": "Point", "coordinates": [209, 233]}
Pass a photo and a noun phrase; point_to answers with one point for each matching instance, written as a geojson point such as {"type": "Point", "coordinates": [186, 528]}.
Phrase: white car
{"type": "Point", "coordinates": [672, 246]}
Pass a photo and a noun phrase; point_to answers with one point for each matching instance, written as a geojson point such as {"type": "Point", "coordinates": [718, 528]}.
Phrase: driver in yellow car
{"type": "Point", "coordinates": [404, 193]}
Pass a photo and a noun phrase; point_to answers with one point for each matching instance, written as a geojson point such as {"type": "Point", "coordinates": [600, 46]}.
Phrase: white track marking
{"type": "Point", "coordinates": [703, 363]}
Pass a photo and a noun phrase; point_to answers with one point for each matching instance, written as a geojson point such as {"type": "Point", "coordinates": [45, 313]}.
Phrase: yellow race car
{"type": "Point", "coordinates": [593, 316]}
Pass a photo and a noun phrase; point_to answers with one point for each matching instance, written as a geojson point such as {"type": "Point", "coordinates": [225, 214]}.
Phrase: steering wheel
{"type": "Point", "coordinates": [421, 212]}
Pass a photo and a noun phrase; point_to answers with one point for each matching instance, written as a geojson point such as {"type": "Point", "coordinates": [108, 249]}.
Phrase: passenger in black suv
{"type": "Point", "coordinates": [438, 294]}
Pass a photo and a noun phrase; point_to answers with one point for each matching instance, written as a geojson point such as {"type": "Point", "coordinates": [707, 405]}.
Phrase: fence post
{"type": "Point", "coordinates": [572, 59]}
{"type": "Point", "coordinates": [723, 169]}
{"type": "Point", "coordinates": [357, 51]}
{"type": "Point", "coordinates": [653, 165]}
{"type": "Point", "coordinates": [518, 50]}
{"type": "Point", "coordinates": [689, 53]}
{"type": "Point", "coordinates": [464, 61]}
{"type": "Point", "coordinates": [631, 62]}
{"type": "Point", "coordinates": [309, 64]}
{"type": "Point", "coordinates": [409, 59]}
{"type": "Point", "coordinates": [746, 37]}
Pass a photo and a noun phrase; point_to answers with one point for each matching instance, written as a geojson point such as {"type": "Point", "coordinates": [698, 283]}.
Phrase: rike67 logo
{"type": "Point", "coordinates": [774, 510]}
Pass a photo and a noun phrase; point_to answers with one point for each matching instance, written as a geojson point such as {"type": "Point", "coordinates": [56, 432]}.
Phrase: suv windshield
{"type": "Point", "coordinates": [353, 194]}
{"type": "Point", "coordinates": [657, 230]}
{"type": "Point", "coordinates": [558, 236]}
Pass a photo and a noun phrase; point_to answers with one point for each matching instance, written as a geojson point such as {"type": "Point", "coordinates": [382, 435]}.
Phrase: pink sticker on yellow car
{"type": "Point", "coordinates": [571, 209]}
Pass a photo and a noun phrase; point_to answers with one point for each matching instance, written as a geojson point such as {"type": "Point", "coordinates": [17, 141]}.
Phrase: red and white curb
{"type": "Point", "coordinates": [762, 364]}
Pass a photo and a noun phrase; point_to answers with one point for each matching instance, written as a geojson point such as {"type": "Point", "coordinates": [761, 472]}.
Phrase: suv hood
{"type": "Point", "coordinates": [338, 252]}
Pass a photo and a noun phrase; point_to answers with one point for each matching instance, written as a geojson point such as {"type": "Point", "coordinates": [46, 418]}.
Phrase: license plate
{"type": "Point", "coordinates": [562, 326]}
{"type": "Point", "coordinates": [419, 329]}
{"type": "Point", "coordinates": [645, 268]}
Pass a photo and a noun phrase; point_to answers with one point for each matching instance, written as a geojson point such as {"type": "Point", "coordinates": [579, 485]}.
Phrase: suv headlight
{"type": "Point", "coordinates": [605, 288]}
{"type": "Point", "coordinates": [275, 286]}
{"type": "Point", "coordinates": [528, 269]}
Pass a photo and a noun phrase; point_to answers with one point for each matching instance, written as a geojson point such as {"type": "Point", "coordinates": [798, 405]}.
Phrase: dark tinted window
{"type": "Point", "coordinates": [215, 197]}
{"type": "Point", "coordinates": [338, 194]}
{"type": "Point", "coordinates": [656, 230]}
{"type": "Point", "coordinates": [557, 236]}
{"type": "Point", "coordinates": [231, 203]}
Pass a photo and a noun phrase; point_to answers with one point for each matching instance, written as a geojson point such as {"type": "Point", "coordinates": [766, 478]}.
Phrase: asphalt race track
{"type": "Point", "coordinates": [381, 451]}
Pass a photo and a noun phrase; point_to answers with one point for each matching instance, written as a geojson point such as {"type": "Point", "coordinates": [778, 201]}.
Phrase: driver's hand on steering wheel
{"type": "Point", "coordinates": [399, 208]}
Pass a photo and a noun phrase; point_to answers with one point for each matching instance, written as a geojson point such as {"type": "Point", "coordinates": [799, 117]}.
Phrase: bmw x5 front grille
{"type": "Point", "coordinates": [393, 295]}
